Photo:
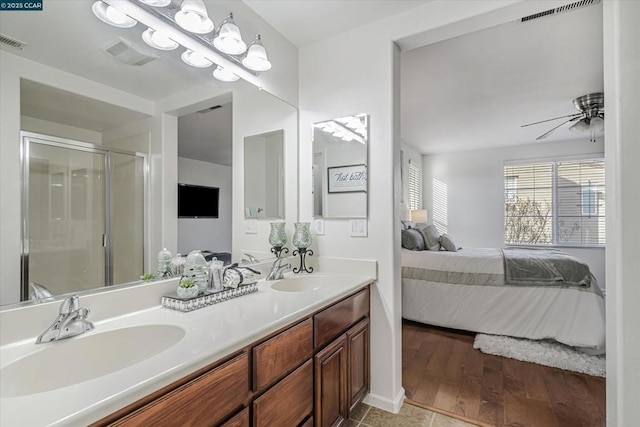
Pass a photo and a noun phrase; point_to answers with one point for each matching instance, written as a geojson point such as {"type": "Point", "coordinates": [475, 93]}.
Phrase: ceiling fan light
{"type": "Point", "coordinates": [195, 59]}
{"type": "Point", "coordinates": [580, 126]}
{"type": "Point", "coordinates": [256, 58]}
{"type": "Point", "coordinates": [596, 124]}
{"type": "Point", "coordinates": [157, 3]}
{"type": "Point", "coordinates": [228, 38]}
{"type": "Point", "coordinates": [224, 75]}
{"type": "Point", "coordinates": [112, 16]}
{"type": "Point", "coordinates": [158, 40]}
{"type": "Point", "coordinates": [193, 17]}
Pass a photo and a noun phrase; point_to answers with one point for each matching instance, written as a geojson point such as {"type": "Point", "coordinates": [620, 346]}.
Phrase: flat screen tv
{"type": "Point", "coordinates": [196, 201]}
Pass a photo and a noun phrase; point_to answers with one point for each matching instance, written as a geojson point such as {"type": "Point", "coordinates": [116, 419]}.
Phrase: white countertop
{"type": "Point", "coordinates": [211, 333]}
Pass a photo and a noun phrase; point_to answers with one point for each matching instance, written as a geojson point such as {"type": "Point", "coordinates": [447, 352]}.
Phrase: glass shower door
{"type": "Point", "coordinates": [66, 221]}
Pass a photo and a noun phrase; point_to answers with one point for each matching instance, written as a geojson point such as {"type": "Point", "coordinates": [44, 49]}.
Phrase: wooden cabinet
{"type": "Point", "coordinates": [203, 401]}
{"type": "Point", "coordinates": [287, 403]}
{"type": "Point", "coordinates": [358, 362]}
{"type": "Point", "coordinates": [342, 367]}
{"type": "Point", "coordinates": [331, 384]}
{"type": "Point", "coordinates": [279, 355]}
{"type": "Point", "coordinates": [309, 374]}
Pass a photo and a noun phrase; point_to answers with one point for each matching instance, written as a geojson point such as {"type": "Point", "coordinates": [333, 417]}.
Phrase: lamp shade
{"type": "Point", "coordinates": [256, 58]}
{"type": "Point", "coordinates": [419, 215]}
{"type": "Point", "coordinates": [228, 38]}
{"type": "Point", "coordinates": [224, 75]}
{"type": "Point", "coordinates": [112, 16]}
{"type": "Point", "coordinates": [158, 40]}
{"type": "Point", "coordinates": [193, 17]}
{"type": "Point", "coordinates": [195, 59]}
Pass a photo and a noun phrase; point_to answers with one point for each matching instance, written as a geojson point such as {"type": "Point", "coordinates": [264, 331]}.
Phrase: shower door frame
{"type": "Point", "coordinates": [25, 139]}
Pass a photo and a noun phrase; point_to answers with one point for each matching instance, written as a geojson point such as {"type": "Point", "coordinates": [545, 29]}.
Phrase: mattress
{"type": "Point", "coordinates": [466, 291]}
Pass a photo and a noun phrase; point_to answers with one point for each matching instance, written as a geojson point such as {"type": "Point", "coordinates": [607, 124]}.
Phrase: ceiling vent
{"type": "Point", "coordinates": [12, 42]}
{"type": "Point", "coordinates": [566, 8]}
{"type": "Point", "coordinates": [210, 109]}
{"type": "Point", "coordinates": [125, 52]}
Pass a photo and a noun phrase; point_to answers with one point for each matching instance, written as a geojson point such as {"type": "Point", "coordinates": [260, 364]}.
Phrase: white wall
{"type": "Point", "coordinates": [206, 233]}
{"type": "Point", "coordinates": [622, 127]}
{"type": "Point", "coordinates": [474, 203]}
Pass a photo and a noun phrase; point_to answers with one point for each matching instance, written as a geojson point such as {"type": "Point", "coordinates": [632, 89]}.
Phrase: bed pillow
{"type": "Point", "coordinates": [447, 243]}
{"type": "Point", "coordinates": [412, 239]}
{"type": "Point", "coordinates": [431, 237]}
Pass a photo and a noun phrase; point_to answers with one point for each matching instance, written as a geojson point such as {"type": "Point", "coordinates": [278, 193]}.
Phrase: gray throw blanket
{"type": "Point", "coordinates": [544, 267]}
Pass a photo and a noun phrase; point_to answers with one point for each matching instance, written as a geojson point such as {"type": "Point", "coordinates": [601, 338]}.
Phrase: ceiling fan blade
{"type": "Point", "coordinates": [546, 134]}
{"type": "Point", "coordinates": [549, 120]}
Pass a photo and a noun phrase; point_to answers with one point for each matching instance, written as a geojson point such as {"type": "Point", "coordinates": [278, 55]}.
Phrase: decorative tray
{"type": "Point", "coordinates": [189, 304]}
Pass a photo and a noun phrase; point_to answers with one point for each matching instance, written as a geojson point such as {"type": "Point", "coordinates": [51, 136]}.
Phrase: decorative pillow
{"type": "Point", "coordinates": [412, 239]}
{"type": "Point", "coordinates": [448, 244]}
{"type": "Point", "coordinates": [431, 237]}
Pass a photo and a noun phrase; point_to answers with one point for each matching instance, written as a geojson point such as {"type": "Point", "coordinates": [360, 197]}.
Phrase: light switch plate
{"type": "Point", "coordinates": [358, 227]}
{"type": "Point", "coordinates": [251, 226]}
{"type": "Point", "coordinates": [318, 226]}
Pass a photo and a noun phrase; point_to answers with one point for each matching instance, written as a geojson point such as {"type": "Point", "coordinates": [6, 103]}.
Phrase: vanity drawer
{"type": "Point", "coordinates": [287, 403]}
{"type": "Point", "coordinates": [239, 420]}
{"type": "Point", "coordinates": [205, 400]}
{"type": "Point", "coordinates": [278, 356]}
{"type": "Point", "coordinates": [333, 321]}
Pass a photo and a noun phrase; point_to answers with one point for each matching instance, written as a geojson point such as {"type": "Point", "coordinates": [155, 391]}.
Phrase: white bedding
{"type": "Point", "coordinates": [568, 315]}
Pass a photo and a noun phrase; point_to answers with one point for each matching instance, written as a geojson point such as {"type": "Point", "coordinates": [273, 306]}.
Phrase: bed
{"type": "Point", "coordinates": [469, 290]}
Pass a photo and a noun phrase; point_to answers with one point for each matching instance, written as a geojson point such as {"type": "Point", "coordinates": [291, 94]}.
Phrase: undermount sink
{"type": "Point", "coordinates": [301, 283]}
{"type": "Point", "coordinates": [72, 361]}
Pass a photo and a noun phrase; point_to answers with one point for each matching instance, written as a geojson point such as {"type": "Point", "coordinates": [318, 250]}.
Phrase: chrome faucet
{"type": "Point", "coordinates": [277, 270]}
{"type": "Point", "coordinates": [39, 293]}
{"type": "Point", "coordinates": [71, 321]}
{"type": "Point", "coordinates": [250, 259]}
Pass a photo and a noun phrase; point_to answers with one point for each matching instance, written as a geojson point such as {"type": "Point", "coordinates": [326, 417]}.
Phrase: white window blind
{"type": "Point", "coordinates": [559, 202]}
{"type": "Point", "coordinates": [415, 186]}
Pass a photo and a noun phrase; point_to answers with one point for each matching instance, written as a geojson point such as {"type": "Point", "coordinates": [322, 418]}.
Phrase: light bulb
{"type": "Point", "coordinates": [195, 59]}
{"type": "Point", "coordinates": [224, 75]}
{"type": "Point", "coordinates": [158, 40]}
{"type": "Point", "coordinates": [112, 16]}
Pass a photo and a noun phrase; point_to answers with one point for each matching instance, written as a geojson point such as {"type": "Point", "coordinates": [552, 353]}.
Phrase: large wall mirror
{"type": "Point", "coordinates": [340, 167]}
{"type": "Point", "coordinates": [70, 89]}
{"type": "Point", "coordinates": [264, 175]}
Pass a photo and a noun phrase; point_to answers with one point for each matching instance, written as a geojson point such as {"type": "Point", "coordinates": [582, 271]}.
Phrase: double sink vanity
{"type": "Point", "coordinates": [296, 352]}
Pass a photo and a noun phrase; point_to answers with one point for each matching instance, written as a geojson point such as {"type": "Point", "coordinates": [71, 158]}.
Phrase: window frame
{"type": "Point", "coordinates": [555, 217]}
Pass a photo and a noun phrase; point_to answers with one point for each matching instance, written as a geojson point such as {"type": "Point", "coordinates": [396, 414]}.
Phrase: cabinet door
{"type": "Point", "coordinates": [239, 420]}
{"type": "Point", "coordinates": [331, 398]}
{"type": "Point", "coordinates": [358, 364]}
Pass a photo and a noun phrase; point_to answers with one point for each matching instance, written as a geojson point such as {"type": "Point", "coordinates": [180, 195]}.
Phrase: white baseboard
{"type": "Point", "coordinates": [384, 403]}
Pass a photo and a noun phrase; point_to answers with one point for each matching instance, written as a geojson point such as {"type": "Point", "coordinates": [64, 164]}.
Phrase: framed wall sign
{"type": "Point", "coordinates": [348, 179]}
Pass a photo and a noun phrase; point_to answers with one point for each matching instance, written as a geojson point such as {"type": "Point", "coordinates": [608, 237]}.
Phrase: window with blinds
{"type": "Point", "coordinates": [415, 186]}
{"type": "Point", "coordinates": [558, 202]}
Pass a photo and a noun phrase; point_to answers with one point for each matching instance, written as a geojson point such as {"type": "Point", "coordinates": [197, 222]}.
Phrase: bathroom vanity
{"type": "Point", "coordinates": [294, 357]}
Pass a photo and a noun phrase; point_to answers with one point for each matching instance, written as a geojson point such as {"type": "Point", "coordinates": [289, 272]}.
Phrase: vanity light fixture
{"type": "Point", "coordinates": [193, 17]}
{"type": "Point", "coordinates": [157, 3]}
{"type": "Point", "coordinates": [228, 38]}
{"type": "Point", "coordinates": [224, 75]}
{"type": "Point", "coordinates": [158, 40]}
{"type": "Point", "coordinates": [112, 16]}
{"type": "Point", "coordinates": [195, 59]}
{"type": "Point", "coordinates": [256, 58]}
{"type": "Point", "coordinates": [189, 27]}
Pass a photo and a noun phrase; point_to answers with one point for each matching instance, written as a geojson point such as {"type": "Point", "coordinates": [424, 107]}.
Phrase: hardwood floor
{"type": "Point", "coordinates": [442, 370]}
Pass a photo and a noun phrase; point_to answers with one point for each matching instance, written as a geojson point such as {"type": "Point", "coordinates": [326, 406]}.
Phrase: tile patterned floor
{"type": "Point", "coordinates": [409, 416]}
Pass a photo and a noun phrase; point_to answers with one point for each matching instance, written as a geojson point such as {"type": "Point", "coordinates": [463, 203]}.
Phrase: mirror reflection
{"type": "Point", "coordinates": [68, 88]}
{"type": "Point", "coordinates": [264, 175]}
{"type": "Point", "coordinates": [340, 167]}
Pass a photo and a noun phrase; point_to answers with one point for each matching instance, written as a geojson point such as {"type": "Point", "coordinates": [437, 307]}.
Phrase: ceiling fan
{"type": "Point", "coordinates": [590, 117]}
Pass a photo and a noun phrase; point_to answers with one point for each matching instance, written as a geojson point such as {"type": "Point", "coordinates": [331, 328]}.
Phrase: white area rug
{"type": "Point", "coordinates": [548, 353]}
